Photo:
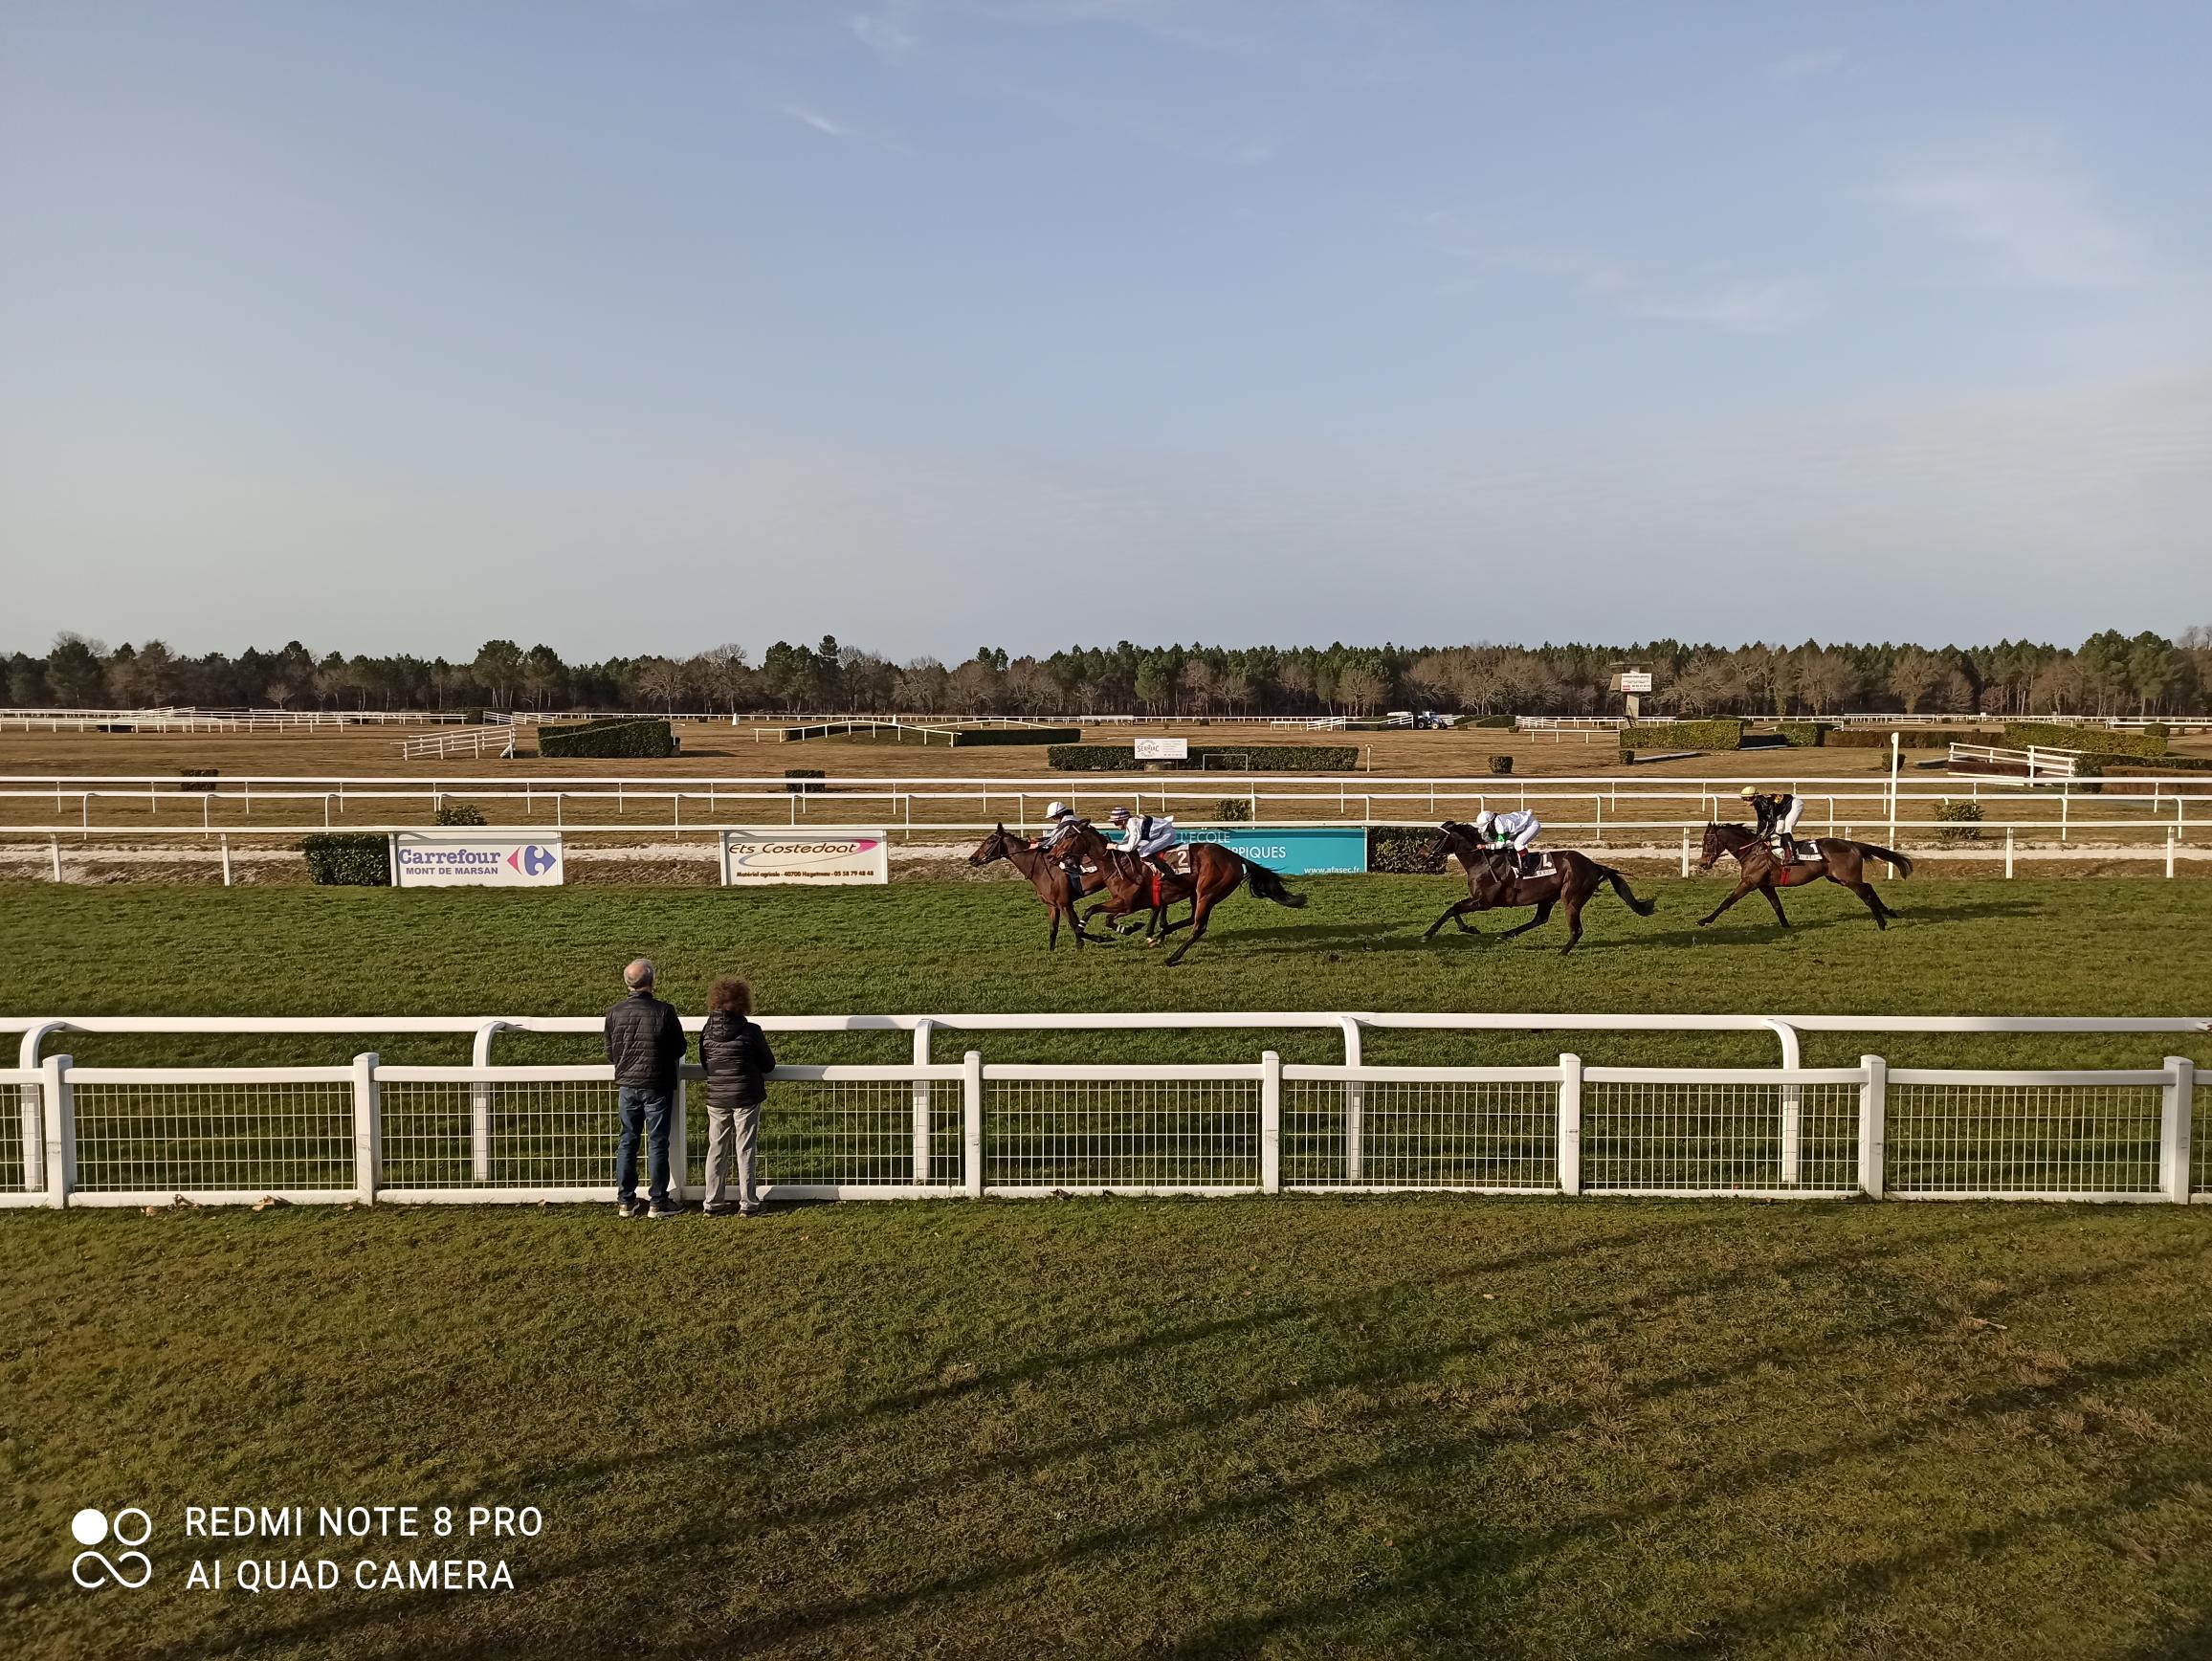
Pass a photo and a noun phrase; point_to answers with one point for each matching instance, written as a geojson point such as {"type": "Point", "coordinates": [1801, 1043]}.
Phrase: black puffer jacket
{"type": "Point", "coordinates": [738, 1059]}
{"type": "Point", "coordinates": [645, 1042]}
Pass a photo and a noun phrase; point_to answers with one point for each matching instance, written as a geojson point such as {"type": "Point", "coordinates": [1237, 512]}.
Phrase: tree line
{"type": "Point", "coordinates": [2108, 674]}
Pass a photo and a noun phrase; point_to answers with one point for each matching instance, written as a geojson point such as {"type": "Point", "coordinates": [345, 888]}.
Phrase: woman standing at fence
{"type": "Point", "coordinates": [737, 1060]}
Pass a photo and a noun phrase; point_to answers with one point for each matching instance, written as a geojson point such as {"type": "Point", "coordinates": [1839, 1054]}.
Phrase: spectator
{"type": "Point", "coordinates": [645, 1041]}
{"type": "Point", "coordinates": [736, 1059]}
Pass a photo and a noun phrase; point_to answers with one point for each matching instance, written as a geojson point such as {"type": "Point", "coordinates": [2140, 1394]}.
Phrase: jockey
{"type": "Point", "coordinates": [1510, 831]}
{"type": "Point", "coordinates": [1057, 841]}
{"type": "Point", "coordinates": [1777, 813]}
{"type": "Point", "coordinates": [1145, 836]}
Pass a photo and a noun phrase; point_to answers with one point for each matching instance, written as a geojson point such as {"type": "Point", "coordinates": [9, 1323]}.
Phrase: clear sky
{"type": "Point", "coordinates": [644, 327]}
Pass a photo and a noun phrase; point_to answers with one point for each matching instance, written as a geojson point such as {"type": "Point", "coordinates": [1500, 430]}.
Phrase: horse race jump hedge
{"type": "Point", "coordinates": [1253, 759]}
{"type": "Point", "coordinates": [1683, 735]}
{"type": "Point", "coordinates": [964, 738]}
{"type": "Point", "coordinates": [2147, 745]}
{"type": "Point", "coordinates": [1805, 734]}
{"type": "Point", "coordinates": [608, 737]}
{"type": "Point", "coordinates": [348, 860]}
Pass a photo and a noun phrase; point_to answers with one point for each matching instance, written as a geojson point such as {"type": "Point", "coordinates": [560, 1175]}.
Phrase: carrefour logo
{"type": "Point", "coordinates": [532, 861]}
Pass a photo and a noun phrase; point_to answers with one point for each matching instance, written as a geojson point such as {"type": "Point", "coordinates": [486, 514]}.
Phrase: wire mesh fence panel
{"type": "Point", "coordinates": [1421, 1134]}
{"type": "Point", "coordinates": [2201, 1140]}
{"type": "Point", "coordinates": [20, 1117]}
{"type": "Point", "coordinates": [182, 1137]}
{"type": "Point", "coordinates": [2023, 1138]}
{"type": "Point", "coordinates": [849, 1133]}
{"type": "Point", "coordinates": [1720, 1138]}
{"type": "Point", "coordinates": [1123, 1133]}
{"type": "Point", "coordinates": [536, 1132]}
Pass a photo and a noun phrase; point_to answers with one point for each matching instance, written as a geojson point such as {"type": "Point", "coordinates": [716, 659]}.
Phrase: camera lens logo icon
{"type": "Point", "coordinates": [129, 1569]}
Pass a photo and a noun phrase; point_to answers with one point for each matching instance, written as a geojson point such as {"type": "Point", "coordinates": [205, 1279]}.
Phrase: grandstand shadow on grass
{"type": "Point", "coordinates": [701, 1547]}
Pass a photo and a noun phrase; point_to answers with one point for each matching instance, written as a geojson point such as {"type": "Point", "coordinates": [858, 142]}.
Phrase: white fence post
{"type": "Point", "coordinates": [679, 1143]}
{"type": "Point", "coordinates": [725, 842]}
{"type": "Point", "coordinates": [1570, 1124]}
{"type": "Point", "coordinates": [29, 1099]}
{"type": "Point", "coordinates": [1271, 1123]}
{"type": "Point", "coordinates": [2177, 1110]}
{"type": "Point", "coordinates": [480, 1104]}
{"type": "Point", "coordinates": [367, 1126]}
{"type": "Point", "coordinates": [1873, 1124]}
{"type": "Point", "coordinates": [971, 1116]}
{"type": "Point", "coordinates": [921, 1032]}
{"type": "Point", "coordinates": [61, 1130]}
{"type": "Point", "coordinates": [1355, 1108]}
{"type": "Point", "coordinates": [1792, 1102]}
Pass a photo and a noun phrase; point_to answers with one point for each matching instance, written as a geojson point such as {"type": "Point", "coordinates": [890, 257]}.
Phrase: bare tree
{"type": "Point", "coordinates": [1914, 675]}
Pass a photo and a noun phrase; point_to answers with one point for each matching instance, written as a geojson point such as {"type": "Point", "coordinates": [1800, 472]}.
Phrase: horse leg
{"type": "Point", "coordinates": [1201, 907]}
{"type": "Point", "coordinates": [1742, 888]}
{"type": "Point", "coordinates": [1053, 938]}
{"type": "Point", "coordinates": [1774, 899]}
{"type": "Point", "coordinates": [1572, 905]}
{"type": "Point", "coordinates": [1865, 891]}
{"type": "Point", "coordinates": [1454, 912]}
{"type": "Point", "coordinates": [1542, 917]}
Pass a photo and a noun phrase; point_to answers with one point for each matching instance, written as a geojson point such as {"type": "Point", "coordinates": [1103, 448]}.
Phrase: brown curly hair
{"type": "Point", "coordinates": [730, 995]}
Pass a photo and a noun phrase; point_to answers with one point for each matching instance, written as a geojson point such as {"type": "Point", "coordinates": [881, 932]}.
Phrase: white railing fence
{"type": "Point", "coordinates": [371, 1132]}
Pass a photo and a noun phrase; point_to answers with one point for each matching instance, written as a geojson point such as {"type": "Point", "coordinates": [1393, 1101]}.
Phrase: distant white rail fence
{"type": "Point", "coordinates": [469, 741]}
{"type": "Point", "coordinates": [369, 1131]}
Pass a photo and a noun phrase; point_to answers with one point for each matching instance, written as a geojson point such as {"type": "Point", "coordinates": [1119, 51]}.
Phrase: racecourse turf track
{"type": "Point", "coordinates": [1409, 1426]}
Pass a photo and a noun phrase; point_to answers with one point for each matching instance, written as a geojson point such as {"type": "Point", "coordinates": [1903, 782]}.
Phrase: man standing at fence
{"type": "Point", "coordinates": [646, 1043]}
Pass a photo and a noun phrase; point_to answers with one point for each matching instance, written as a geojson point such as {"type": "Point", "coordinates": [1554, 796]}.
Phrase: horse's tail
{"type": "Point", "coordinates": [1641, 907]}
{"type": "Point", "coordinates": [1904, 865]}
{"type": "Point", "coordinates": [1269, 886]}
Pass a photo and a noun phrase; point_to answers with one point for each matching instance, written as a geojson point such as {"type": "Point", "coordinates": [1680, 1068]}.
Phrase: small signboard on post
{"type": "Point", "coordinates": [1164, 749]}
{"type": "Point", "coordinates": [751, 858]}
{"type": "Point", "coordinates": [1635, 680]}
{"type": "Point", "coordinates": [476, 860]}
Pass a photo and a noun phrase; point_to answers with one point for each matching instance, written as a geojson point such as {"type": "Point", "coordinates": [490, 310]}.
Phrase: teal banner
{"type": "Point", "coordinates": [1294, 851]}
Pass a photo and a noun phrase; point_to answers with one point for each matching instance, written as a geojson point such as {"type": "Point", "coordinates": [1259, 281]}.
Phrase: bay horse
{"type": "Point", "coordinates": [1494, 882]}
{"type": "Point", "coordinates": [1046, 876]}
{"type": "Point", "coordinates": [1843, 863]}
{"type": "Point", "coordinates": [1215, 873]}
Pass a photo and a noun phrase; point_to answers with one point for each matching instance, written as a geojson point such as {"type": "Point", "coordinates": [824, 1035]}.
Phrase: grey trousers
{"type": "Point", "coordinates": [726, 1125]}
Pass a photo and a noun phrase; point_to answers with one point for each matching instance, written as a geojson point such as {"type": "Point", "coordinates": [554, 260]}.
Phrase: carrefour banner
{"type": "Point", "coordinates": [1295, 851]}
{"type": "Point", "coordinates": [832, 857]}
{"type": "Point", "coordinates": [477, 859]}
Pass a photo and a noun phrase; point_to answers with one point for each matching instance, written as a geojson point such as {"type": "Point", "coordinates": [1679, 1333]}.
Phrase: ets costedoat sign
{"type": "Point", "coordinates": [832, 857]}
{"type": "Point", "coordinates": [1296, 850]}
{"type": "Point", "coordinates": [476, 860]}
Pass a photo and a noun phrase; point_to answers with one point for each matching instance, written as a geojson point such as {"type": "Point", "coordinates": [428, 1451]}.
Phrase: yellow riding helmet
{"type": "Point", "coordinates": [1748, 791]}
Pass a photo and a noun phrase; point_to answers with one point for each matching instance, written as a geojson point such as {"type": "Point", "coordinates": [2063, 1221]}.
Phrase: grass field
{"type": "Point", "coordinates": [1407, 1427]}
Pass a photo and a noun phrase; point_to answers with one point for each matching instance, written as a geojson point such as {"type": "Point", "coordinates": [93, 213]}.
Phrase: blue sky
{"type": "Point", "coordinates": [644, 327]}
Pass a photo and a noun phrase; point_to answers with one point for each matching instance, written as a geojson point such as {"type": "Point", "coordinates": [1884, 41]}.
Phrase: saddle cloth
{"type": "Point", "coordinates": [1541, 866]}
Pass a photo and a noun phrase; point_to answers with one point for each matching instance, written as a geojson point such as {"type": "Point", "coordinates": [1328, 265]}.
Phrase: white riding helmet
{"type": "Point", "coordinates": [1119, 815]}
{"type": "Point", "coordinates": [1485, 819]}
{"type": "Point", "coordinates": [1056, 811]}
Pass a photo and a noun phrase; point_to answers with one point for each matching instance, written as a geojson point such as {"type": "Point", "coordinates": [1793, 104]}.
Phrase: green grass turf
{"type": "Point", "coordinates": [1408, 1426]}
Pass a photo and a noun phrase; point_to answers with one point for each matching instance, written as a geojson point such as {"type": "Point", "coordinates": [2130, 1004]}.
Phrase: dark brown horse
{"type": "Point", "coordinates": [1493, 883]}
{"type": "Point", "coordinates": [1840, 862]}
{"type": "Point", "coordinates": [1046, 876]}
{"type": "Point", "coordinates": [1215, 873]}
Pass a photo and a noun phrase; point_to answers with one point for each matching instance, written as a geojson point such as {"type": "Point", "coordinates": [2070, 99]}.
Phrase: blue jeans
{"type": "Point", "coordinates": [646, 1109]}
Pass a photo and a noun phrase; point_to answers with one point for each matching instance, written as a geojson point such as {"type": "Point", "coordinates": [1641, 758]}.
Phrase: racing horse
{"type": "Point", "coordinates": [1493, 881]}
{"type": "Point", "coordinates": [1843, 863]}
{"type": "Point", "coordinates": [1215, 873]}
{"type": "Point", "coordinates": [1053, 885]}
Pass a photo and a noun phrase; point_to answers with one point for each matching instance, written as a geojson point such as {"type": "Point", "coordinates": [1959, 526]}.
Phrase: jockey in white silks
{"type": "Point", "coordinates": [1060, 824]}
{"type": "Point", "coordinates": [1777, 815]}
{"type": "Point", "coordinates": [1145, 836]}
{"type": "Point", "coordinates": [1512, 831]}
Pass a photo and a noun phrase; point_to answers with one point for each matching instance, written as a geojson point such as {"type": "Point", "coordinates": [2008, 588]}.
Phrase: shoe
{"type": "Point", "coordinates": [664, 1209]}
{"type": "Point", "coordinates": [724, 1210]}
{"type": "Point", "coordinates": [629, 1207]}
{"type": "Point", "coordinates": [754, 1213]}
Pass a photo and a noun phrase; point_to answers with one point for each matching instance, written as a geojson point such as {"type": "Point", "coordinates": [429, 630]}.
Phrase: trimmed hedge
{"type": "Point", "coordinates": [1683, 735]}
{"type": "Point", "coordinates": [1404, 850]}
{"type": "Point", "coordinates": [461, 813]}
{"type": "Point", "coordinates": [2116, 765]}
{"type": "Point", "coordinates": [1914, 738]}
{"type": "Point", "coordinates": [797, 780]}
{"type": "Point", "coordinates": [1232, 809]}
{"type": "Point", "coordinates": [967, 738]}
{"type": "Point", "coordinates": [338, 860]}
{"type": "Point", "coordinates": [198, 778]}
{"type": "Point", "coordinates": [1805, 734]}
{"type": "Point", "coordinates": [1961, 821]}
{"type": "Point", "coordinates": [1501, 763]}
{"type": "Point", "coordinates": [2147, 743]}
{"type": "Point", "coordinates": [1486, 720]}
{"type": "Point", "coordinates": [1255, 759]}
{"type": "Point", "coordinates": [627, 736]}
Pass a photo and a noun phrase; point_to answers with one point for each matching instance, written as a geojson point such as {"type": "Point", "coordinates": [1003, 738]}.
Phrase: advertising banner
{"type": "Point", "coordinates": [1164, 749]}
{"type": "Point", "coordinates": [824, 857]}
{"type": "Point", "coordinates": [1294, 851]}
{"type": "Point", "coordinates": [477, 859]}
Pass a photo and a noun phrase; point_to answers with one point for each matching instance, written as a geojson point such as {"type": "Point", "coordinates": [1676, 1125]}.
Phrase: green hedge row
{"type": "Point", "coordinates": [1683, 735]}
{"type": "Point", "coordinates": [2147, 767]}
{"type": "Point", "coordinates": [2149, 741]}
{"type": "Point", "coordinates": [348, 861]}
{"type": "Point", "coordinates": [1805, 734]}
{"type": "Point", "coordinates": [608, 737]}
{"type": "Point", "coordinates": [1914, 738]}
{"type": "Point", "coordinates": [967, 738]}
{"type": "Point", "coordinates": [1486, 720]}
{"type": "Point", "coordinates": [1258, 759]}
{"type": "Point", "coordinates": [1405, 850]}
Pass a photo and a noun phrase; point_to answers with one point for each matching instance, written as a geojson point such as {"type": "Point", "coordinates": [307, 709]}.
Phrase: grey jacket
{"type": "Point", "coordinates": [645, 1041]}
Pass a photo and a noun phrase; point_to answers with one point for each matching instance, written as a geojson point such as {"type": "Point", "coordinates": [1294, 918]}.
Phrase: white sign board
{"type": "Point", "coordinates": [750, 857]}
{"type": "Point", "coordinates": [1164, 749]}
{"type": "Point", "coordinates": [1636, 680]}
{"type": "Point", "coordinates": [477, 859]}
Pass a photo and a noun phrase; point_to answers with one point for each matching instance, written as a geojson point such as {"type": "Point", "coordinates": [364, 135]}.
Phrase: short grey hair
{"type": "Point", "coordinates": [638, 974]}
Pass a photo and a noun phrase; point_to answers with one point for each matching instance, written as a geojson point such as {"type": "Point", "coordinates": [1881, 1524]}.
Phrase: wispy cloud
{"type": "Point", "coordinates": [1771, 306]}
{"type": "Point", "coordinates": [1806, 65]}
{"type": "Point", "coordinates": [2026, 200]}
{"type": "Point", "coordinates": [830, 127]}
{"type": "Point", "coordinates": [883, 33]}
